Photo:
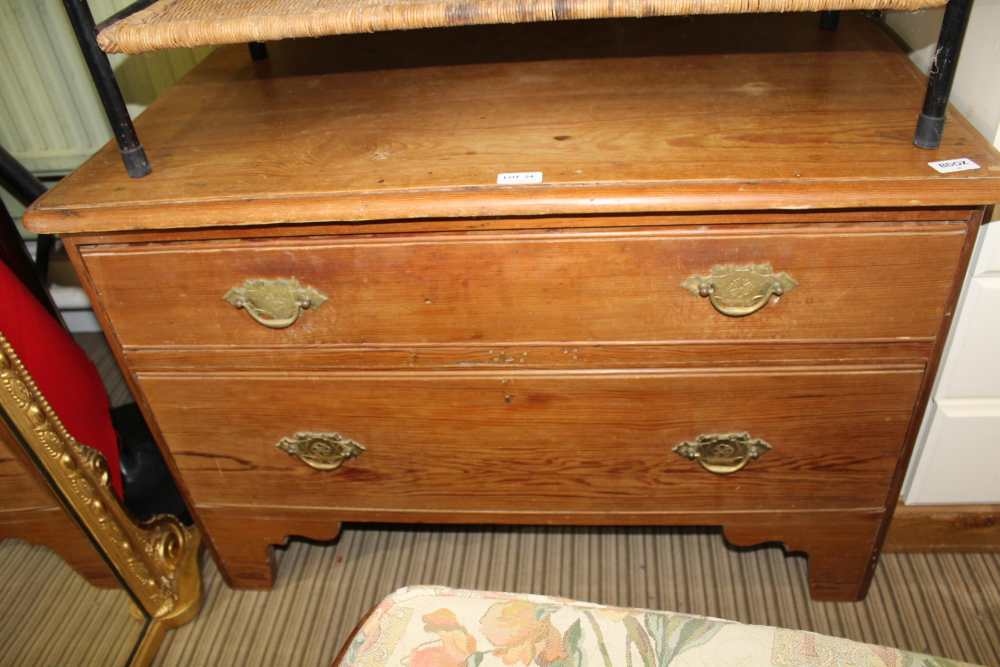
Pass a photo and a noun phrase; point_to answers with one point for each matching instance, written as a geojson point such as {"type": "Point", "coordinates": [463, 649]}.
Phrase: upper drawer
{"type": "Point", "coordinates": [839, 281]}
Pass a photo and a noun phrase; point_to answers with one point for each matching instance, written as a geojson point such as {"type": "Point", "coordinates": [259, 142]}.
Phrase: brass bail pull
{"type": "Point", "coordinates": [275, 303]}
{"type": "Point", "coordinates": [723, 453]}
{"type": "Point", "coordinates": [321, 451]}
{"type": "Point", "coordinates": [738, 291]}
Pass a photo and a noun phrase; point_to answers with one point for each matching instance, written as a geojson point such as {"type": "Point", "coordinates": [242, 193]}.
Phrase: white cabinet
{"type": "Point", "coordinates": [960, 462]}
{"type": "Point", "coordinates": [958, 455]}
{"type": "Point", "coordinates": [972, 367]}
{"type": "Point", "coordinates": [958, 450]}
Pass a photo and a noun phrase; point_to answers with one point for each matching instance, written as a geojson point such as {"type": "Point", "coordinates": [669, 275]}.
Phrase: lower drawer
{"type": "Point", "coordinates": [529, 442]}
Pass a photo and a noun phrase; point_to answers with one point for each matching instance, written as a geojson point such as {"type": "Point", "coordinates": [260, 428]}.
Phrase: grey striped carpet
{"type": "Point", "coordinates": [945, 604]}
{"type": "Point", "coordinates": [51, 617]}
{"type": "Point", "coordinates": [942, 604]}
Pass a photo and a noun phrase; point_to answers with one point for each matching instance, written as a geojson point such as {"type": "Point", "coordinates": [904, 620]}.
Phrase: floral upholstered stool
{"type": "Point", "coordinates": [426, 626]}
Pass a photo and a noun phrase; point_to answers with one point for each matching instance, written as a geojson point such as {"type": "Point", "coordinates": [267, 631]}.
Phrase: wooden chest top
{"type": "Point", "coordinates": [717, 113]}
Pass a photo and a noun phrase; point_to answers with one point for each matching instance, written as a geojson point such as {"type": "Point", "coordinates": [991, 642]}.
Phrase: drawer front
{"type": "Point", "coordinates": [572, 442]}
{"type": "Point", "coordinates": [21, 485]}
{"type": "Point", "coordinates": [839, 282]}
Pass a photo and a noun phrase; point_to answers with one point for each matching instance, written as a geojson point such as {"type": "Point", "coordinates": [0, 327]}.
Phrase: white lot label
{"type": "Point", "coordinates": [951, 166]}
{"type": "Point", "coordinates": [519, 178]}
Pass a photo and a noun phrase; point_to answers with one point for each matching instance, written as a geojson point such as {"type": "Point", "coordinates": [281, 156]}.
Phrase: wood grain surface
{"type": "Point", "coordinates": [21, 485]}
{"type": "Point", "coordinates": [53, 529]}
{"type": "Point", "coordinates": [522, 442]}
{"type": "Point", "coordinates": [208, 398]}
{"type": "Point", "coordinates": [657, 116]}
{"type": "Point", "coordinates": [963, 528]}
{"type": "Point", "coordinates": [29, 511]}
{"type": "Point", "coordinates": [843, 550]}
{"type": "Point", "coordinates": [508, 289]}
{"type": "Point", "coordinates": [527, 354]}
{"type": "Point", "coordinates": [839, 544]}
{"type": "Point", "coordinates": [612, 356]}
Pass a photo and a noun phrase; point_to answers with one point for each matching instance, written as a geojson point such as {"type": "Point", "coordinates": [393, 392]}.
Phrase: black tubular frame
{"type": "Point", "coordinates": [82, 20]}
{"type": "Point", "coordinates": [930, 124]}
{"type": "Point", "coordinates": [18, 180]}
{"type": "Point", "coordinates": [258, 51]}
{"type": "Point", "coordinates": [21, 183]}
{"type": "Point", "coordinates": [14, 253]}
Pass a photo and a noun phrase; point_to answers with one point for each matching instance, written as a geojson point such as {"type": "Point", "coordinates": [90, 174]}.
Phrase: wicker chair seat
{"type": "Point", "coordinates": [187, 23]}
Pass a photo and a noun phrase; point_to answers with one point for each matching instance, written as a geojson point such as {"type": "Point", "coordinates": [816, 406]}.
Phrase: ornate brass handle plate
{"type": "Point", "coordinates": [321, 451]}
{"type": "Point", "coordinates": [738, 291]}
{"type": "Point", "coordinates": [275, 303]}
{"type": "Point", "coordinates": [723, 453]}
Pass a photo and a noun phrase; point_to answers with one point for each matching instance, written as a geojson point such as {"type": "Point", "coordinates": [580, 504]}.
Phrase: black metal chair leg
{"type": "Point", "coordinates": [15, 255]}
{"type": "Point", "coordinates": [131, 150]}
{"type": "Point", "coordinates": [26, 188]}
{"type": "Point", "coordinates": [930, 125]}
{"type": "Point", "coordinates": [18, 180]}
{"type": "Point", "coordinates": [829, 20]}
{"type": "Point", "coordinates": [258, 51]}
{"type": "Point", "coordinates": [44, 245]}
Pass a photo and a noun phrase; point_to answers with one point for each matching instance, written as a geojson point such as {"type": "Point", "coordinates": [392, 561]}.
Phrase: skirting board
{"type": "Point", "coordinates": [944, 528]}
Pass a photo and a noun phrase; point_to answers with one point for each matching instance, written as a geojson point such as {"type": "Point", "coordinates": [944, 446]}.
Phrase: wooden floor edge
{"type": "Point", "coordinates": [944, 528]}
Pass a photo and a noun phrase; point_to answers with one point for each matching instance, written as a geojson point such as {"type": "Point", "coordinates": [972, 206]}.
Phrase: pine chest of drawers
{"type": "Point", "coordinates": [728, 315]}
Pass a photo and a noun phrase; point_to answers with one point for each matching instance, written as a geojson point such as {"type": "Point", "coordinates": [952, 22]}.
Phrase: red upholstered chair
{"type": "Point", "coordinates": [138, 474]}
{"type": "Point", "coordinates": [61, 479]}
{"type": "Point", "coordinates": [29, 510]}
{"type": "Point", "coordinates": [62, 371]}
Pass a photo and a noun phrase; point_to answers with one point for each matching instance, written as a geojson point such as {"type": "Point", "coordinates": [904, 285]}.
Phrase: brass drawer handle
{"type": "Point", "coordinates": [738, 291]}
{"type": "Point", "coordinates": [723, 453]}
{"type": "Point", "coordinates": [321, 451]}
{"type": "Point", "coordinates": [275, 303]}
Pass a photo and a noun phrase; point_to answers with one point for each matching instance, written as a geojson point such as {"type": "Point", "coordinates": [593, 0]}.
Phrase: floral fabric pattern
{"type": "Point", "coordinates": [427, 626]}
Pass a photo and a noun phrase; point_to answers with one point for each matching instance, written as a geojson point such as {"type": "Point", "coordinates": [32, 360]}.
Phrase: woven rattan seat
{"type": "Point", "coordinates": [185, 23]}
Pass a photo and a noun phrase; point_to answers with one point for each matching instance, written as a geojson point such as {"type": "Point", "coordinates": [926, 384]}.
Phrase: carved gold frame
{"type": "Point", "coordinates": [156, 560]}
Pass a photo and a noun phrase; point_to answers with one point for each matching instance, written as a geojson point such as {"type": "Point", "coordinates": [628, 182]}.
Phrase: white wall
{"type": "Point", "coordinates": [957, 459]}
{"type": "Point", "coordinates": [977, 83]}
{"type": "Point", "coordinates": [50, 116]}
